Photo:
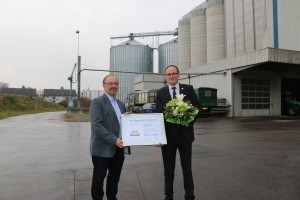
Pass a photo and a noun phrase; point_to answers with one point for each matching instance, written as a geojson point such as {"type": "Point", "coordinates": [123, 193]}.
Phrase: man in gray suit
{"type": "Point", "coordinates": [106, 146]}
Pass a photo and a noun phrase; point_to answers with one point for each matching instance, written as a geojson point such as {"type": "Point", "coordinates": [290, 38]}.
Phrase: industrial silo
{"type": "Point", "coordinates": [215, 30]}
{"type": "Point", "coordinates": [167, 55]}
{"type": "Point", "coordinates": [198, 36]}
{"type": "Point", "coordinates": [184, 43]}
{"type": "Point", "coordinates": [130, 56]}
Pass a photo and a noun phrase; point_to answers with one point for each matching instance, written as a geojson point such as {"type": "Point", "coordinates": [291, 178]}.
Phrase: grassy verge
{"type": "Point", "coordinates": [70, 117]}
{"type": "Point", "coordinates": [17, 113]}
{"type": "Point", "coordinates": [14, 105]}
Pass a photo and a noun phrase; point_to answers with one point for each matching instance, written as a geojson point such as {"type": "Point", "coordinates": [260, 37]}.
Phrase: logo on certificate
{"type": "Point", "coordinates": [134, 133]}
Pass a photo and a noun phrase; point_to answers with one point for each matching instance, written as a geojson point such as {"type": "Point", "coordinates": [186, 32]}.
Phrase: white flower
{"type": "Point", "coordinates": [180, 97]}
{"type": "Point", "coordinates": [180, 103]}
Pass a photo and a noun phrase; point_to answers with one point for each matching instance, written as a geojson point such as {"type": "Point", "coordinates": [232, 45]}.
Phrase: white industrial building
{"type": "Point", "coordinates": [248, 49]}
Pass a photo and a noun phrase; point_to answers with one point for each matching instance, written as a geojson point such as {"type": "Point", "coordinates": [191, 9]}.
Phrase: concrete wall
{"type": "Point", "coordinates": [289, 24]}
{"type": "Point", "coordinates": [249, 25]}
{"type": "Point", "coordinates": [218, 81]}
{"type": "Point", "coordinates": [198, 37]}
{"type": "Point", "coordinates": [215, 24]}
{"type": "Point", "coordinates": [148, 82]}
{"type": "Point", "coordinates": [229, 28]}
{"type": "Point", "coordinates": [246, 25]}
{"type": "Point", "coordinates": [184, 43]}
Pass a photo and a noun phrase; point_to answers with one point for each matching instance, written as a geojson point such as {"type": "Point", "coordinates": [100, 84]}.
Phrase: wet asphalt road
{"type": "Point", "coordinates": [44, 158]}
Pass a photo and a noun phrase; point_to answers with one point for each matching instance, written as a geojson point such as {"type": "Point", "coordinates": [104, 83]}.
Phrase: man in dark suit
{"type": "Point", "coordinates": [178, 137]}
{"type": "Point", "coordinates": [106, 147]}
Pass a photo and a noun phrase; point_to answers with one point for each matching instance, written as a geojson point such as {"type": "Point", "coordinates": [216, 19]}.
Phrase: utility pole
{"type": "Point", "coordinates": [70, 78]}
{"type": "Point", "coordinates": [78, 74]}
{"type": "Point", "coordinates": [78, 79]}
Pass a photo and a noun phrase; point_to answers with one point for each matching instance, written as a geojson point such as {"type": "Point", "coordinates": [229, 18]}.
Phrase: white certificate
{"type": "Point", "coordinates": [143, 129]}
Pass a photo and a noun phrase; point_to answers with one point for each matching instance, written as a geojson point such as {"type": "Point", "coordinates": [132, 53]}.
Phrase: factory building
{"type": "Point", "coordinates": [252, 54]}
{"type": "Point", "coordinates": [247, 49]}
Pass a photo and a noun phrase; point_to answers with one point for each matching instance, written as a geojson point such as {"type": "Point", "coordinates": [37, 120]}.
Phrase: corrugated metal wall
{"type": "Point", "coordinates": [167, 55]}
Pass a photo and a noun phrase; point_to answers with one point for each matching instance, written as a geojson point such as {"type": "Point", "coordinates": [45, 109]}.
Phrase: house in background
{"type": "Point", "coordinates": [19, 91]}
{"type": "Point", "coordinates": [58, 95]}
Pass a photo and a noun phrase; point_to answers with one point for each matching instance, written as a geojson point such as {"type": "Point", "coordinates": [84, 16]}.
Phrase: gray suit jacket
{"type": "Point", "coordinates": [105, 127]}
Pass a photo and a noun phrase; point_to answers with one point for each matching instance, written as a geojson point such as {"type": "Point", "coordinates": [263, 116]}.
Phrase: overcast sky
{"type": "Point", "coordinates": [39, 44]}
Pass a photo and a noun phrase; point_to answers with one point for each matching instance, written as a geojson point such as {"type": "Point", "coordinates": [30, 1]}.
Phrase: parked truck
{"type": "Point", "coordinates": [207, 98]}
{"type": "Point", "coordinates": [137, 99]}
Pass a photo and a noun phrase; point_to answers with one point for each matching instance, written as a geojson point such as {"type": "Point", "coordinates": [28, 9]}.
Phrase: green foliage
{"type": "Point", "coordinates": [12, 105]}
{"type": "Point", "coordinates": [10, 99]}
{"type": "Point", "coordinates": [84, 103]}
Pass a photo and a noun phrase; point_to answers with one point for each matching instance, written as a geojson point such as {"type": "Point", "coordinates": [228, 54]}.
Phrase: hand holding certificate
{"type": "Point", "coordinates": [143, 129]}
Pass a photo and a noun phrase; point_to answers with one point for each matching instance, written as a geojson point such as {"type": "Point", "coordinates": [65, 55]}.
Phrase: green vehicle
{"type": "Point", "coordinates": [290, 104]}
{"type": "Point", "coordinates": [207, 98]}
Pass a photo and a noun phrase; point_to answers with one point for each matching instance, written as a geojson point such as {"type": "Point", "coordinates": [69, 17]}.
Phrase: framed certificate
{"type": "Point", "coordinates": [143, 129]}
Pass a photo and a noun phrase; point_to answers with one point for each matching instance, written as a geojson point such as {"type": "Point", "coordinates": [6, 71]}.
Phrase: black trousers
{"type": "Point", "coordinates": [169, 160]}
{"type": "Point", "coordinates": [101, 166]}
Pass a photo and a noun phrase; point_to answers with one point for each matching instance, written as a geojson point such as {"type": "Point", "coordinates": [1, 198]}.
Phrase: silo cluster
{"type": "Point", "coordinates": [130, 56]}
{"type": "Point", "coordinates": [201, 35]}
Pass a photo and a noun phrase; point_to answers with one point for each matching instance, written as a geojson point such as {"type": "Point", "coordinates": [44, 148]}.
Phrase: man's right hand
{"type": "Point", "coordinates": [119, 143]}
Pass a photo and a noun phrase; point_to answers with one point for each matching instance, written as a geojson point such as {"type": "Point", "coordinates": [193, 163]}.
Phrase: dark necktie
{"type": "Point", "coordinates": [174, 92]}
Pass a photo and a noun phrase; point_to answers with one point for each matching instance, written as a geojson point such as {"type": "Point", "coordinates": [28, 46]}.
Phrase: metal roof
{"type": "Point", "coordinates": [131, 42]}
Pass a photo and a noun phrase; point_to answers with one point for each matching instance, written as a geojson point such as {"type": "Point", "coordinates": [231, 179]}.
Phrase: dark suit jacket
{"type": "Point", "coordinates": [163, 97]}
{"type": "Point", "coordinates": [105, 127]}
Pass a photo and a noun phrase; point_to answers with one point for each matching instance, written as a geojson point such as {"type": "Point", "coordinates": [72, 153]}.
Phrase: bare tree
{"type": "Point", "coordinates": [3, 85]}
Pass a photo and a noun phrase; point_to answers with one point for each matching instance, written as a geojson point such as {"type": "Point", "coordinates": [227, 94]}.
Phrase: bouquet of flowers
{"type": "Point", "coordinates": [179, 112]}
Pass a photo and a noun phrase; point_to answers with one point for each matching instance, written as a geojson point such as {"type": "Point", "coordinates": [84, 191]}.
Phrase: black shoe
{"type": "Point", "coordinates": [190, 197]}
{"type": "Point", "coordinates": [169, 197]}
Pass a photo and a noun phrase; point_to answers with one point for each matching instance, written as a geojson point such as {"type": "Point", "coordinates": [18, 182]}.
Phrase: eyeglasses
{"type": "Point", "coordinates": [111, 84]}
{"type": "Point", "coordinates": [172, 74]}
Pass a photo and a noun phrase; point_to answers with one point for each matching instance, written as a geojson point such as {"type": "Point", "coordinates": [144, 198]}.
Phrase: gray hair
{"type": "Point", "coordinates": [104, 79]}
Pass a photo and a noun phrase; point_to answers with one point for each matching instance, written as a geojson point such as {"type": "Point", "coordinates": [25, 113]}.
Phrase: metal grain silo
{"type": "Point", "coordinates": [130, 56]}
{"type": "Point", "coordinates": [198, 37]}
{"type": "Point", "coordinates": [184, 43]}
{"type": "Point", "coordinates": [167, 55]}
{"type": "Point", "coordinates": [215, 30]}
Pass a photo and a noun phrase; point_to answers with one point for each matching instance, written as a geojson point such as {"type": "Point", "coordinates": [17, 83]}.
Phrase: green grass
{"type": "Point", "coordinates": [14, 105]}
